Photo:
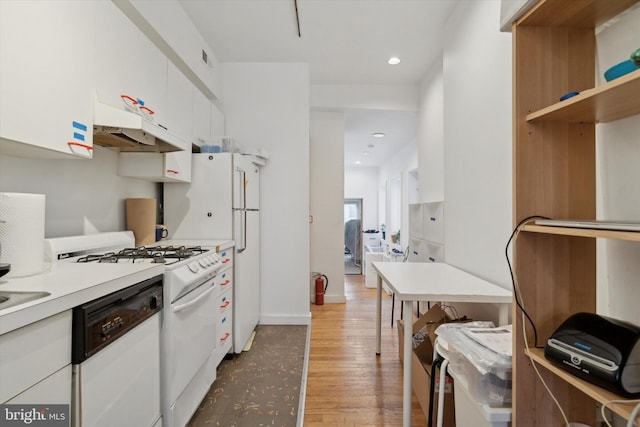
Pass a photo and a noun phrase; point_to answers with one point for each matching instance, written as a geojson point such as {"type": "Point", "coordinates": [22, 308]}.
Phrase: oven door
{"type": "Point", "coordinates": [189, 337]}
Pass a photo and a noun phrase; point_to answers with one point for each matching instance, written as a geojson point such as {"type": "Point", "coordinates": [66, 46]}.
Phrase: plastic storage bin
{"type": "Point", "coordinates": [487, 370]}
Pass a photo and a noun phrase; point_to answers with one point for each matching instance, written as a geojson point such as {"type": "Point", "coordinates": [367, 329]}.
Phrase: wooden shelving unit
{"type": "Point", "coordinates": [598, 394]}
{"type": "Point", "coordinates": [603, 104]}
{"type": "Point", "coordinates": [582, 232]}
{"type": "Point", "coordinates": [554, 175]}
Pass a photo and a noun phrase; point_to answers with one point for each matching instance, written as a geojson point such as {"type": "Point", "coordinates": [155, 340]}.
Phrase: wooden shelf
{"type": "Point", "coordinates": [596, 393]}
{"type": "Point", "coordinates": [576, 13]}
{"type": "Point", "coordinates": [584, 232]}
{"type": "Point", "coordinates": [608, 102]}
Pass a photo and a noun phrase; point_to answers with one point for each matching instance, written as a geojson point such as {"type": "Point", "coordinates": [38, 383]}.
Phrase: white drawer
{"type": "Point", "coordinates": [435, 252]}
{"type": "Point", "coordinates": [32, 353]}
{"type": "Point", "coordinates": [224, 281]}
{"type": "Point", "coordinates": [434, 222]}
{"type": "Point", "coordinates": [54, 390]}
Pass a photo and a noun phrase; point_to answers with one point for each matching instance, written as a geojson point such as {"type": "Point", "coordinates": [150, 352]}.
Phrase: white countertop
{"type": "Point", "coordinates": [70, 284]}
{"type": "Point", "coordinates": [433, 281]}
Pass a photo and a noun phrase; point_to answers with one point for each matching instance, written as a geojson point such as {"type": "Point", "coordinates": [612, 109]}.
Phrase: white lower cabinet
{"type": "Point", "coordinates": [35, 359]}
{"type": "Point", "coordinates": [53, 390]}
{"type": "Point", "coordinates": [46, 72]}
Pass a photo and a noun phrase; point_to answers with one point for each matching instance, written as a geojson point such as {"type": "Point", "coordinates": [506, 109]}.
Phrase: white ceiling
{"type": "Point", "coordinates": [344, 42]}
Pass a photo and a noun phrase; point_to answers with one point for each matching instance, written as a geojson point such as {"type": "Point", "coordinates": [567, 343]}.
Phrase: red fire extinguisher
{"type": "Point", "coordinates": [322, 282]}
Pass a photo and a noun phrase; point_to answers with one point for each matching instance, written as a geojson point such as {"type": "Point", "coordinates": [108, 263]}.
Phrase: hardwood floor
{"type": "Point", "coordinates": [347, 384]}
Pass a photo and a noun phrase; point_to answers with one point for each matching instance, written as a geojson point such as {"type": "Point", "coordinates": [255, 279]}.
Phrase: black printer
{"type": "Point", "coordinates": [600, 350]}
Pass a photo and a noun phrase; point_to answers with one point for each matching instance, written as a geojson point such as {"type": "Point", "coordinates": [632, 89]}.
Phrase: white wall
{"type": "Point", "coordinates": [431, 136]}
{"type": "Point", "coordinates": [362, 183]}
{"type": "Point", "coordinates": [618, 179]}
{"type": "Point", "coordinates": [477, 143]}
{"type": "Point", "coordinates": [477, 134]}
{"type": "Point", "coordinates": [82, 196]}
{"type": "Point", "coordinates": [399, 165]}
{"type": "Point", "coordinates": [267, 106]}
{"type": "Point", "coordinates": [326, 201]}
{"type": "Point", "coordinates": [363, 97]}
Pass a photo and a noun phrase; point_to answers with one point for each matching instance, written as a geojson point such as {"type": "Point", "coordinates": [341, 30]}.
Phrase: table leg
{"type": "Point", "coordinates": [443, 381]}
{"type": "Point", "coordinates": [378, 313]}
{"type": "Point", "coordinates": [408, 353]}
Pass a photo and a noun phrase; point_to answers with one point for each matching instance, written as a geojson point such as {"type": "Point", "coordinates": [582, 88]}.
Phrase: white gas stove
{"type": "Point", "coordinates": [188, 358]}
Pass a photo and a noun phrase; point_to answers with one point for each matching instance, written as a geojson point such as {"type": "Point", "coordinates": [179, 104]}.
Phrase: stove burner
{"type": "Point", "coordinates": [157, 254]}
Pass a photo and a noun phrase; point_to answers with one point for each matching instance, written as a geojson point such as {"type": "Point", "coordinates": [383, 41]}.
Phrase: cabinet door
{"type": "Point", "coordinates": [151, 81]}
{"type": "Point", "coordinates": [177, 166]}
{"type": "Point", "coordinates": [179, 104]}
{"type": "Point", "coordinates": [217, 122]}
{"type": "Point", "coordinates": [179, 109]}
{"type": "Point", "coordinates": [114, 55]}
{"type": "Point", "coordinates": [46, 76]}
{"type": "Point", "coordinates": [129, 67]}
{"type": "Point", "coordinates": [201, 118]}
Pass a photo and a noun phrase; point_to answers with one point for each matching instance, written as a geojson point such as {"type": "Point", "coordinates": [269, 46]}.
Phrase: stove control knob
{"type": "Point", "coordinates": [216, 258]}
{"type": "Point", "coordinates": [194, 267]}
{"type": "Point", "coordinates": [212, 259]}
{"type": "Point", "coordinates": [203, 263]}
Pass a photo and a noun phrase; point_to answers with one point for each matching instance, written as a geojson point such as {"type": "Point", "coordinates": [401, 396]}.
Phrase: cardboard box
{"type": "Point", "coordinates": [421, 360]}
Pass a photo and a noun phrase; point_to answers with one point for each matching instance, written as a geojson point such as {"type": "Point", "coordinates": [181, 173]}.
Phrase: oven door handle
{"type": "Point", "coordinates": [194, 301]}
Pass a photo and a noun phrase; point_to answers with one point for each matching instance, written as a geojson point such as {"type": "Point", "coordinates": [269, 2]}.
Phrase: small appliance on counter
{"type": "Point", "coordinates": [600, 350]}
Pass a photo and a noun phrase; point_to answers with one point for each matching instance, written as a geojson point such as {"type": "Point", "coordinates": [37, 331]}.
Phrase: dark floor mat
{"type": "Point", "coordinates": [259, 387]}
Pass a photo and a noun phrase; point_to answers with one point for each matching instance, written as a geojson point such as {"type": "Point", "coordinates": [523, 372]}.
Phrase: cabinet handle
{"type": "Point", "coordinates": [89, 148]}
{"type": "Point", "coordinates": [173, 171]}
{"type": "Point", "coordinates": [226, 335]}
{"type": "Point", "coordinates": [226, 304]}
{"type": "Point", "coordinates": [147, 110]}
{"type": "Point", "coordinates": [129, 100]}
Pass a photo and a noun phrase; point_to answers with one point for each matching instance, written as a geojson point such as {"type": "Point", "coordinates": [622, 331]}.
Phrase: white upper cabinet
{"type": "Point", "coordinates": [169, 21]}
{"type": "Point", "coordinates": [46, 104]}
{"type": "Point", "coordinates": [131, 72]}
{"type": "Point", "coordinates": [151, 81]}
{"type": "Point", "coordinates": [179, 105]}
{"type": "Point", "coordinates": [217, 122]}
{"type": "Point", "coordinates": [201, 119]}
{"type": "Point", "coordinates": [115, 56]}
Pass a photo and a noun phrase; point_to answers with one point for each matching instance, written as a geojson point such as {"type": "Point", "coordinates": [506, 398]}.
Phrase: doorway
{"type": "Point", "coordinates": [352, 236]}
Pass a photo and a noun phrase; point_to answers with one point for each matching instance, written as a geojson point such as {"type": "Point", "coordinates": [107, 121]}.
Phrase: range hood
{"type": "Point", "coordinates": [128, 131]}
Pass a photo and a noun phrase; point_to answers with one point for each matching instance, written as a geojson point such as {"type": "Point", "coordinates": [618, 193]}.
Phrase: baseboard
{"type": "Point", "coordinates": [334, 299]}
{"type": "Point", "coordinates": [302, 319]}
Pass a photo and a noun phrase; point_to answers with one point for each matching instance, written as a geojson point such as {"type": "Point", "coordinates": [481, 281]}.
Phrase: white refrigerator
{"type": "Point", "coordinates": [223, 202]}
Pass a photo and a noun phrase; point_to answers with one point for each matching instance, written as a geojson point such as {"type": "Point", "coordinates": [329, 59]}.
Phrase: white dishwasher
{"type": "Point", "coordinates": [115, 358]}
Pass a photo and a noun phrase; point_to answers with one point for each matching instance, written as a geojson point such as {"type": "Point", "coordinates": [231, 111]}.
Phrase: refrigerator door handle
{"type": "Point", "coordinates": [243, 233]}
{"type": "Point", "coordinates": [242, 188]}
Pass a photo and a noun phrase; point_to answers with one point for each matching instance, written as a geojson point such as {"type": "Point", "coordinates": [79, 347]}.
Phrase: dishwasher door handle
{"type": "Point", "coordinates": [194, 301]}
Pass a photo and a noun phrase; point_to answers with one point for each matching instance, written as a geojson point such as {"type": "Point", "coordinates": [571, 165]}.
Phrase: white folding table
{"type": "Point", "coordinates": [428, 281]}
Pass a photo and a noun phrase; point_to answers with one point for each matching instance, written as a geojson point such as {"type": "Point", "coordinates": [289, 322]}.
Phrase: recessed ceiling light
{"type": "Point", "coordinates": [378, 135]}
{"type": "Point", "coordinates": [393, 61]}
{"type": "Point", "coordinates": [357, 162]}
{"type": "Point", "coordinates": [365, 153]}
